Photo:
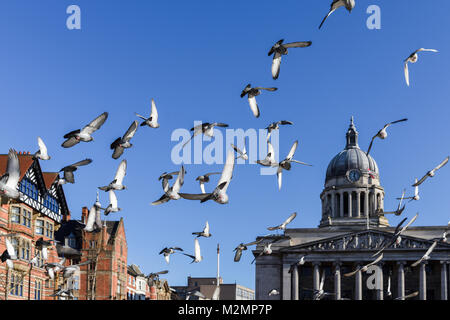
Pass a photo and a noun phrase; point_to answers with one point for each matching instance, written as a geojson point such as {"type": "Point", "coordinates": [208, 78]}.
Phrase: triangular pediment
{"type": "Point", "coordinates": [364, 240]}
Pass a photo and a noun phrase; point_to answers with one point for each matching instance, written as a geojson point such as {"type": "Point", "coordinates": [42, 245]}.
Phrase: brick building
{"type": "Point", "coordinates": [106, 277]}
{"type": "Point", "coordinates": [137, 286]}
{"type": "Point", "coordinates": [37, 213]}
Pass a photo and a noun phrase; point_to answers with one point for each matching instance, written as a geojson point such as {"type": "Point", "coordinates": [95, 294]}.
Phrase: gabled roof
{"type": "Point", "coordinates": [25, 162]}
{"type": "Point", "coordinates": [49, 178]}
{"type": "Point", "coordinates": [134, 270]}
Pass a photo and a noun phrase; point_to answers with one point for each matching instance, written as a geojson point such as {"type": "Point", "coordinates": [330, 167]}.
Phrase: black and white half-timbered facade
{"type": "Point", "coordinates": [319, 263]}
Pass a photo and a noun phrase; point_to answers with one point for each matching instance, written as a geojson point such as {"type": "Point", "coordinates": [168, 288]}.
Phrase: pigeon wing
{"type": "Point", "coordinates": [42, 147]}
{"type": "Point", "coordinates": [276, 63]}
{"type": "Point", "coordinates": [10, 249]}
{"type": "Point", "coordinates": [95, 124]}
{"type": "Point", "coordinates": [154, 113]}
{"type": "Point", "coordinates": [13, 169]}
{"type": "Point", "coordinates": [121, 172]}
{"type": "Point", "coordinates": [227, 171]}
{"type": "Point", "coordinates": [253, 105]}
{"type": "Point", "coordinates": [70, 142]}
{"type": "Point", "coordinates": [292, 151]}
{"type": "Point", "coordinates": [299, 44]}
{"type": "Point", "coordinates": [131, 131]}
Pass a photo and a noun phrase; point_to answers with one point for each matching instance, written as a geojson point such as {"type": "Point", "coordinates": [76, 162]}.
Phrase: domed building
{"type": "Point", "coordinates": [327, 262]}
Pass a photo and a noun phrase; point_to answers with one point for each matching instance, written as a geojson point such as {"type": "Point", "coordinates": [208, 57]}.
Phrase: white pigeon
{"type": "Point", "coordinates": [365, 267]}
{"type": "Point", "coordinates": [252, 93]}
{"type": "Point", "coordinates": [219, 194]}
{"type": "Point", "coordinates": [416, 193]}
{"type": "Point", "coordinates": [173, 192]}
{"type": "Point", "coordinates": [112, 207]}
{"type": "Point", "coordinates": [204, 179]}
{"type": "Point", "coordinates": [413, 57]}
{"type": "Point", "coordinates": [348, 4]}
{"type": "Point", "coordinates": [55, 267]}
{"type": "Point", "coordinates": [76, 136]}
{"type": "Point", "coordinates": [431, 173]}
{"type": "Point", "coordinates": [242, 153]}
{"type": "Point", "coordinates": [94, 221]}
{"type": "Point", "coordinates": [426, 256]}
{"type": "Point", "coordinates": [274, 292]}
{"type": "Point", "coordinates": [42, 153]}
{"type": "Point", "coordinates": [117, 183]}
{"type": "Point", "coordinates": [69, 271]}
{"type": "Point", "coordinates": [9, 255]}
{"type": "Point", "coordinates": [382, 134]}
{"type": "Point", "coordinates": [152, 122]}
{"type": "Point", "coordinates": [205, 233]}
{"type": "Point", "coordinates": [269, 160]}
{"type": "Point", "coordinates": [197, 256]}
{"type": "Point", "coordinates": [267, 250]}
{"type": "Point", "coordinates": [284, 224]}
{"type": "Point", "coordinates": [286, 164]}
{"type": "Point", "coordinates": [10, 180]}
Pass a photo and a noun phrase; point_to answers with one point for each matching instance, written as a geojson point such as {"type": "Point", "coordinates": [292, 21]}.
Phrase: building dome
{"type": "Point", "coordinates": [352, 157]}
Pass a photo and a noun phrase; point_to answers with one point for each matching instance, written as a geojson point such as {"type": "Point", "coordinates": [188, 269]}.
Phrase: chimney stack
{"type": "Point", "coordinates": [67, 217]}
{"type": "Point", "coordinates": [84, 214]}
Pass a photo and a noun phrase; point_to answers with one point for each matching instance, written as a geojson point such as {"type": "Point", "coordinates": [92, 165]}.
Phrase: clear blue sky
{"type": "Point", "coordinates": [194, 58]}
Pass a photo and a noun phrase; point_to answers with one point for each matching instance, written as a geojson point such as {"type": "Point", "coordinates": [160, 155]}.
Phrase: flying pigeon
{"type": "Point", "coordinates": [112, 207]}
{"type": "Point", "coordinates": [242, 153]}
{"type": "Point", "coordinates": [205, 233]}
{"type": "Point", "coordinates": [399, 208]}
{"type": "Point", "coordinates": [416, 193]}
{"type": "Point", "coordinates": [10, 180]}
{"type": "Point", "coordinates": [284, 224]}
{"type": "Point", "coordinates": [321, 293]}
{"type": "Point", "coordinates": [348, 4]}
{"type": "Point", "coordinates": [120, 144]}
{"type": "Point", "coordinates": [219, 194]}
{"type": "Point", "coordinates": [204, 179]}
{"type": "Point", "coordinates": [42, 152]}
{"type": "Point", "coordinates": [43, 245]}
{"type": "Point", "coordinates": [267, 250]}
{"type": "Point", "coordinates": [364, 268]}
{"type": "Point", "coordinates": [269, 160]}
{"type": "Point", "coordinates": [171, 193]}
{"type": "Point", "coordinates": [10, 253]}
{"type": "Point", "coordinates": [197, 256]}
{"type": "Point", "coordinates": [411, 295]}
{"type": "Point", "coordinates": [54, 268]}
{"type": "Point", "coordinates": [279, 49]}
{"type": "Point", "coordinates": [205, 128]}
{"type": "Point", "coordinates": [413, 57]}
{"type": "Point", "coordinates": [431, 173]}
{"type": "Point", "coordinates": [152, 122]}
{"type": "Point", "coordinates": [69, 271]}
{"type": "Point", "coordinates": [69, 170]}
{"type": "Point", "coordinates": [382, 134]}
{"type": "Point", "coordinates": [426, 256]}
{"type": "Point", "coordinates": [168, 251]}
{"type": "Point", "coordinates": [241, 247]}
{"type": "Point", "coordinates": [252, 93]}
{"type": "Point", "coordinates": [76, 136]}
{"type": "Point", "coordinates": [275, 126]}
{"type": "Point", "coordinates": [116, 184]}
{"type": "Point", "coordinates": [274, 292]}
{"type": "Point", "coordinates": [286, 163]}
{"type": "Point", "coordinates": [155, 276]}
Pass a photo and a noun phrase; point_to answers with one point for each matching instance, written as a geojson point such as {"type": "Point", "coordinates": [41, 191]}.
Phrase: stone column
{"type": "Point", "coordinates": [401, 280]}
{"type": "Point", "coordinates": [444, 289]}
{"type": "Point", "coordinates": [295, 288]}
{"type": "Point", "coordinates": [337, 281]}
{"type": "Point", "coordinates": [380, 289]}
{"type": "Point", "coordinates": [358, 204]}
{"type": "Point", "coordinates": [366, 203]}
{"type": "Point", "coordinates": [341, 204]}
{"type": "Point", "coordinates": [358, 284]}
{"type": "Point", "coordinates": [286, 282]}
{"type": "Point", "coordinates": [350, 204]}
{"type": "Point", "coordinates": [333, 204]}
{"type": "Point", "coordinates": [316, 275]}
{"type": "Point", "coordinates": [423, 281]}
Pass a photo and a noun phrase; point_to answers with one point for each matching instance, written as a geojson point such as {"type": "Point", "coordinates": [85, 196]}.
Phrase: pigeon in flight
{"type": "Point", "coordinates": [69, 170]}
{"type": "Point", "coordinates": [284, 224]}
{"type": "Point", "coordinates": [155, 276]}
{"type": "Point", "coordinates": [413, 57]}
{"type": "Point", "coordinates": [54, 268]}
{"type": "Point", "coordinates": [204, 179]}
{"type": "Point", "coordinates": [416, 193]}
{"type": "Point", "coordinates": [42, 152]}
{"type": "Point", "coordinates": [94, 220]}
{"type": "Point", "coordinates": [276, 126]}
{"type": "Point", "coordinates": [120, 144]}
{"type": "Point", "coordinates": [286, 163]}
{"type": "Point", "coordinates": [43, 245]}
{"type": "Point", "coordinates": [242, 153]}
{"type": "Point", "coordinates": [241, 247]}
{"type": "Point", "coordinates": [10, 180]}
{"type": "Point", "coordinates": [63, 293]}
{"type": "Point", "coordinates": [69, 271]}
{"type": "Point", "coordinates": [399, 208]}
{"type": "Point", "coordinates": [364, 268]}
{"type": "Point", "coordinates": [171, 193]}
{"type": "Point", "coordinates": [168, 251]}
{"type": "Point", "coordinates": [194, 293]}
{"type": "Point", "coordinates": [10, 253]}
{"type": "Point", "coordinates": [431, 173]}
{"type": "Point", "coordinates": [382, 134]}
{"type": "Point", "coordinates": [273, 292]}
{"type": "Point", "coordinates": [269, 160]}
{"type": "Point", "coordinates": [252, 93]}
{"type": "Point", "coordinates": [152, 122]}
{"type": "Point", "coordinates": [205, 233]}
{"type": "Point", "coordinates": [411, 295]}
{"type": "Point", "coordinates": [197, 256]}
{"type": "Point", "coordinates": [426, 256]}
{"type": "Point", "coordinates": [219, 194]}
{"type": "Point", "coordinates": [74, 137]}
{"type": "Point", "coordinates": [320, 294]}
{"type": "Point", "coordinates": [395, 238]}
{"type": "Point", "coordinates": [116, 184]}
{"type": "Point", "coordinates": [205, 128]}
{"type": "Point", "coordinates": [348, 4]}
{"type": "Point", "coordinates": [279, 49]}
{"type": "Point", "coordinates": [112, 207]}
{"type": "Point", "coordinates": [267, 250]}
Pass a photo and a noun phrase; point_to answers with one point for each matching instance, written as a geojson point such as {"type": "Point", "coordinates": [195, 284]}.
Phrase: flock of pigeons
{"type": "Point", "coordinates": [9, 181]}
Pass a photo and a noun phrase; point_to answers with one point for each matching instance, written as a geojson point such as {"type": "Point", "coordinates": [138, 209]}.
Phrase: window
{"type": "Point", "coordinates": [16, 285]}
{"type": "Point", "coordinates": [51, 203]}
{"type": "Point", "coordinates": [15, 244]}
{"type": "Point", "coordinates": [21, 215]}
{"type": "Point", "coordinates": [71, 241]}
{"type": "Point", "coordinates": [25, 250]}
{"type": "Point", "coordinates": [40, 259]}
{"type": "Point", "coordinates": [37, 290]}
{"type": "Point", "coordinates": [15, 214]}
{"type": "Point", "coordinates": [29, 188]}
{"type": "Point", "coordinates": [39, 227]}
{"type": "Point", "coordinates": [49, 230]}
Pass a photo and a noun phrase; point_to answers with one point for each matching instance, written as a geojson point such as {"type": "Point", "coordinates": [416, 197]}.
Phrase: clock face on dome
{"type": "Point", "coordinates": [354, 175]}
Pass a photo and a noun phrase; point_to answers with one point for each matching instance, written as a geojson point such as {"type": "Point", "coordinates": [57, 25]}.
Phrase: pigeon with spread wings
{"type": "Point", "coordinates": [269, 160]}
{"type": "Point", "coordinates": [241, 247]}
{"type": "Point", "coordinates": [113, 206]}
{"type": "Point", "coordinates": [152, 122]}
{"type": "Point", "coordinates": [400, 209]}
{"type": "Point", "coordinates": [9, 255]}
{"type": "Point", "coordinates": [284, 224]}
{"type": "Point", "coordinates": [336, 4]}
{"type": "Point", "coordinates": [431, 173]}
{"type": "Point", "coordinates": [171, 193]}
{"type": "Point", "coordinates": [204, 179]}
{"type": "Point", "coordinates": [116, 184]}
{"type": "Point", "coordinates": [205, 128]}
{"type": "Point", "coordinates": [120, 144]}
{"type": "Point", "coordinates": [251, 94]}
{"type": "Point", "coordinates": [279, 49]}
{"type": "Point", "coordinates": [286, 164]}
{"type": "Point", "coordinates": [42, 153]}
{"type": "Point", "coordinates": [197, 256]}
{"type": "Point", "coordinates": [205, 233]}
{"type": "Point", "coordinates": [10, 180]}
{"type": "Point", "coordinates": [426, 256]}
{"type": "Point", "coordinates": [85, 134]}
{"type": "Point", "coordinates": [413, 57]}
{"type": "Point", "coordinates": [167, 251]}
{"type": "Point", "coordinates": [275, 126]}
{"type": "Point", "coordinates": [242, 153]}
{"type": "Point", "coordinates": [69, 170]}
{"type": "Point", "coordinates": [365, 267]}
{"type": "Point", "coordinates": [382, 134]}
{"type": "Point", "coordinates": [219, 194]}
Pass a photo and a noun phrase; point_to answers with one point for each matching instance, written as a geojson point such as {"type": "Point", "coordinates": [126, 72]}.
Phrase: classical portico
{"type": "Point", "coordinates": [352, 229]}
